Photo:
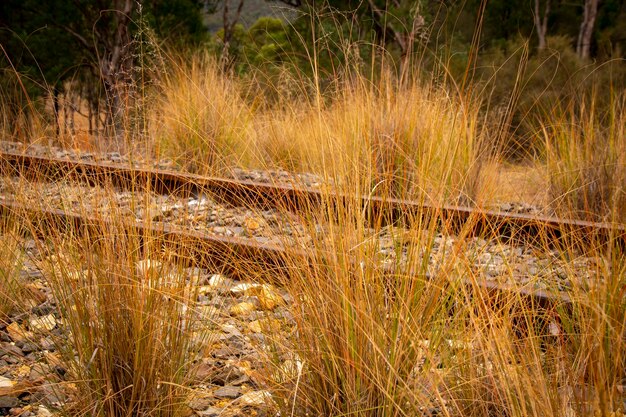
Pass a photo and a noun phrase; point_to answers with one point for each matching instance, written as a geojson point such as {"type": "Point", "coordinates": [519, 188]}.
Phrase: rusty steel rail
{"type": "Point", "coordinates": [238, 257]}
{"type": "Point", "coordinates": [187, 246]}
{"type": "Point", "coordinates": [525, 228]}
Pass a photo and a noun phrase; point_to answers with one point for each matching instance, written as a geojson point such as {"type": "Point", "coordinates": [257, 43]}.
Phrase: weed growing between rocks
{"type": "Point", "coordinates": [13, 294]}
{"type": "Point", "coordinates": [586, 160]}
{"type": "Point", "coordinates": [130, 327]}
{"type": "Point", "coordinates": [409, 137]}
{"type": "Point", "coordinates": [533, 359]}
{"type": "Point", "coordinates": [198, 118]}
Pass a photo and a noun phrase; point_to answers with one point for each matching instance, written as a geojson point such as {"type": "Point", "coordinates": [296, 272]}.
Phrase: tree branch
{"type": "Point", "coordinates": [382, 23]}
{"type": "Point", "coordinates": [78, 37]}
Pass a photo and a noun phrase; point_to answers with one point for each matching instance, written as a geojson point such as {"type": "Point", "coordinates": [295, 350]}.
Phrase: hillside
{"type": "Point", "coordinates": [252, 10]}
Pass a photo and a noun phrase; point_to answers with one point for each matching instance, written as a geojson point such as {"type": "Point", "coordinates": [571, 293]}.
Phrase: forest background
{"type": "Point", "coordinates": [522, 56]}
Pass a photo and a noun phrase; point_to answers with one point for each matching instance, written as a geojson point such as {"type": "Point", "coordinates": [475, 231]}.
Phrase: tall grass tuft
{"type": "Point", "coordinates": [409, 140]}
{"type": "Point", "coordinates": [130, 328]}
{"type": "Point", "coordinates": [198, 117]}
{"type": "Point", "coordinates": [360, 330]}
{"type": "Point", "coordinates": [586, 160]}
{"type": "Point", "coordinates": [403, 326]}
{"type": "Point", "coordinates": [373, 339]}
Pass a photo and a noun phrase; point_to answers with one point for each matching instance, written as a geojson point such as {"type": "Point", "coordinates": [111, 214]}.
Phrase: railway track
{"type": "Point", "coordinates": [208, 250]}
{"type": "Point", "coordinates": [218, 253]}
{"type": "Point", "coordinates": [524, 228]}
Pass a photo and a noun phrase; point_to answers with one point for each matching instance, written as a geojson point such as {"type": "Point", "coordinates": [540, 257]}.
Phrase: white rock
{"type": "Point", "coordinates": [245, 288]}
{"type": "Point", "coordinates": [218, 281]}
{"type": "Point", "coordinates": [255, 398]}
{"type": "Point", "coordinates": [42, 411]}
{"type": "Point", "coordinates": [6, 382]}
{"type": "Point", "coordinates": [554, 328]}
{"type": "Point", "coordinates": [43, 324]}
{"type": "Point", "coordinates": [7, 386]}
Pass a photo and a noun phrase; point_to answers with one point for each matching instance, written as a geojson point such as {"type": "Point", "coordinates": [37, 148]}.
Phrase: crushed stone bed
{"type": "Point", "coordinates": [137, 161]}
{"type": "Point", "coordinates": [241, 322]}
{"type": "Point", "coordinates": [231, 329]}
{"type": "Point", "coordinates": [200, 214]}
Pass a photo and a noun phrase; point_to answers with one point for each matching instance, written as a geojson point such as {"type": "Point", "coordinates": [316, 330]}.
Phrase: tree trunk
{"type": "Point", "coordinates": [228, 29]}
{"type": "Point", "coordinates": [90, 118]}
{"type": "Point", "coordinates": [111, 47]}
{"type": "Point", "coordinates": [583, 44]}
{"type": "Point", "coordinates": [55, 109]}
{"type": "Point", "coordinates": [541, 24]}
{"type": "Point", "coordinates": [115, 66]}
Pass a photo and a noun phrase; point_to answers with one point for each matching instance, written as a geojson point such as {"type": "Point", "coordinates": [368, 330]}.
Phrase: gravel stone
{"type": "Point", "coordinates": [8, 402]}
{"type": "Point", "coordinates": [228, 391]}
{"type": "Point", "coordinates": [201, 403]}
{"type": "Point", "coordinates": [210, 412]}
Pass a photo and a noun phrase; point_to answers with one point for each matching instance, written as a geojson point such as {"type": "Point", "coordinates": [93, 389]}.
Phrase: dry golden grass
{"type": "Point", "coordinates": [373, 342]}
{"type": "Point", "coordinates": [198, 117]}
{"type": "Point", "coordinates": [12, 292]}
{"type": "Point", "coordinates": [408, 139]}
{"type": "Point", "coordinates": [586, 160]}
{"type": "Point", "coordinates": [369, 341]}
{"type": "Point", "coordinates": [131, 327]}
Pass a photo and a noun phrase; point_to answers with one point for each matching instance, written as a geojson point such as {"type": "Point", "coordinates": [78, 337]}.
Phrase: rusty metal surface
{"type": "Point", "coordinates": [545, 231]}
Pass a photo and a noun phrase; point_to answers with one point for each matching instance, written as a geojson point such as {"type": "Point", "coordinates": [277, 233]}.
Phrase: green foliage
{"type": "Point", "coordinates": [176, 21]}
{"type": "Point", "coordinates": [37, 45]}
{"type": "Point", "coordinates": [267, 41]}
{"type": "Point", "coordinates": [47, 44]}
{"type": "Point", "coordinates": [544, 79]}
